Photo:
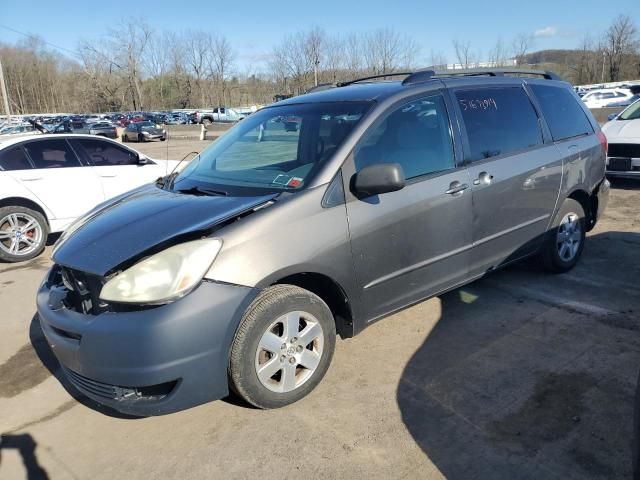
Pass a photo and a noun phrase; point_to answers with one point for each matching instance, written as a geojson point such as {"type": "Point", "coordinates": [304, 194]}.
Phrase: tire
{"type": "Point", "coordinates": [558, 255]}
{"type": "Point", "coordinates": [162, 139]}
{"type": "Point", "coordinates": [33, 240]}
{"type": "Point", "coordinates": [140, 138]}
{"type": "Point", "coordinates": [265, 324]}
{"type": "Point", "coordinates": [207, 121]}
{"type": "Point", "coordinates": [124, 138]}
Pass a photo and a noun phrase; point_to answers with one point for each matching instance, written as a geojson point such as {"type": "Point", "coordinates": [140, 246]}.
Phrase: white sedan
{"type": "Point", "coordinates": [48, 181]}
{"type": "Point", "coordinates": [605, 97]}
{"type": "Point", "coordinates": [623, 135]}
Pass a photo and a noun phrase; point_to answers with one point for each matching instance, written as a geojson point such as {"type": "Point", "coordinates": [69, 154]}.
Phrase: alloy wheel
{"type": "Point", "coordinates": [569, 237]}
{"type": "Point", "coordinates": [20, 234]}
{"type": "Point", "coordinates": [289, 352]}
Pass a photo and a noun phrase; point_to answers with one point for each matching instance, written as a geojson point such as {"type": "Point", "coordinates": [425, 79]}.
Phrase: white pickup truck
{"type": "Point", "coordinates": [218, 114]}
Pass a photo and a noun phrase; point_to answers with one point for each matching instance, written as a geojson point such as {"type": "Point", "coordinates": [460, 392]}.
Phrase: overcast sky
{"type": "Point", "coordinates": [254, 27]}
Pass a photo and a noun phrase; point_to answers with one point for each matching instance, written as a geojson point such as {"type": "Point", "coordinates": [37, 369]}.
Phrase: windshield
{"type": "Point", "coordinates": [275, 149]}
{"type": "Point", "coordinates": [632, 112]}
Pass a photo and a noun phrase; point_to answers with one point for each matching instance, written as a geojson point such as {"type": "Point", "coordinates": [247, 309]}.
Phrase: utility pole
{"type": "Point", "coordinates": [604, 56]}
{"type": "Point", "coordinates": [3, 87]}
{"type": "Point", "coordinates": [316, 62]}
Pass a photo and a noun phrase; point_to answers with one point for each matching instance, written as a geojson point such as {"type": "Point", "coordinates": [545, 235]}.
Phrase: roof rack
{"type": "Point", "coordinates": [320, 87]}
{"type": "Point", "coordinates": [426, 74]}
{"type": "Point", "coordinates": [373, 77]}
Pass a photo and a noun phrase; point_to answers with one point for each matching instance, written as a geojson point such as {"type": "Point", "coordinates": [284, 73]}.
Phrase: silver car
{"type": "Point", "coordinates": [143, 132]}
{"type": "Point", "coordinates": [238, 273]}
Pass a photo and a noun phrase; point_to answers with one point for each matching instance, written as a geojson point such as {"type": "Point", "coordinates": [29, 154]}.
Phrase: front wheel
{"type": "Point", "coordinates": [283, 347]}
{"type": "Point", "coordinates": [23, 233]}
{"type": "Point", "coordinates": [565, 241]}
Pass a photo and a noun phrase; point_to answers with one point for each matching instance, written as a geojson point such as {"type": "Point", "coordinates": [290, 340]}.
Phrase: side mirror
{"type": "Point", "coordinates": [377, 179]}
{"type": "Point", "coordinates": [142, 160]}
{"type": "Point", "coordinates": [612, 116]}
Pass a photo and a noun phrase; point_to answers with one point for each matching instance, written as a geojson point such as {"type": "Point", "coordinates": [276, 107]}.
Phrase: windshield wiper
{"type": "Point", "coordinates": [202, 191]}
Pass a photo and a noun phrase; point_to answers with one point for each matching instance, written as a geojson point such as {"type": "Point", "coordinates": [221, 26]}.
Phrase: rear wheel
{"type": "Point", "coordinates": [140, 138]}
{"type": "Point", "coordinates": [283, 347]}
{"type": "Point", "coordinates": [565, 241]}
{"type": "Point", "coordinates": [124, 138]}
{"type": "Point", "coordinates": [207, 121]}
{"type": "Point", "coordinates": [23, 233]}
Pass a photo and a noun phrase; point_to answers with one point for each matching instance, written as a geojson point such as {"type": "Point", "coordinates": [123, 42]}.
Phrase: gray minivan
{"type": "Point", "coordinates": [239, 272]}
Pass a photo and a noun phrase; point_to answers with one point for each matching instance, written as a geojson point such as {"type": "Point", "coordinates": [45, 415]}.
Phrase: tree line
{"type": "Point", "coordinates": [133, 67]}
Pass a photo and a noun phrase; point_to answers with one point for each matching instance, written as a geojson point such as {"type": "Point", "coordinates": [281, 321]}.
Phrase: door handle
{"type": "Point", "coordinates": [30, 179]}
{"type": "Point", "coordinates": [108, 175]}
{"type": "Point", "coordinates": [483, 179]}
{"type": "Point", "coordinates": [456, 187]}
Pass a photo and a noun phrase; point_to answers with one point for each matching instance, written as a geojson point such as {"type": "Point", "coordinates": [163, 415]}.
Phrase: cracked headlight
{"type": "Point", "coordinates": [165, 276]}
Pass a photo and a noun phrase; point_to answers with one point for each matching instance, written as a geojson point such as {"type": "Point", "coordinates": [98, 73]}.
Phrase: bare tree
{"type": "Point", "coordinates": [198, 47]}
{"type": "Point", "coordinates": [437, 60]}
{"type": "Point", "coordinates": [463, 53]}
{"type": "Point", "coordinates": [498, 54]}
{"type": "Point", "coordinates": [290, 60]}
{"type": "Point", "coordinates": [385, 50]}
{"type": "Point", "coordinates": [353, 53]}
{"type": "Point", "coordinates": [620, 40]}
{"type": "Point", "coordinates": [334, 57]}
{"type": "Point", "coordinates": [222, 61]}
{"type": "Point", "coordinates": [314, 43]}
{"type": "Point", "coordinates": [521, 45]}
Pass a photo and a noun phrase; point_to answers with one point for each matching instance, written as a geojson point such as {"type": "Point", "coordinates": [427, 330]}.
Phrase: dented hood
{"type": "Point", "coordinates": [136, 222]}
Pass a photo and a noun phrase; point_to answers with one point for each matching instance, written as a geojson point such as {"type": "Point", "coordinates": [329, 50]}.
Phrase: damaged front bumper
{"type": "Point", "coordinates": [146, 361]}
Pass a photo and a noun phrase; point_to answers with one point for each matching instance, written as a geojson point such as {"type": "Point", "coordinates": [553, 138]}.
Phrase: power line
{"type": "Point", "coordinates": [31, 35]}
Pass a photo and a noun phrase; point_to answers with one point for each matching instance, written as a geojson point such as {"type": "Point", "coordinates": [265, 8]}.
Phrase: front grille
{"type": "Point", "coordinates": [99, 389]}
{"type": "Point", "coordinates": [113, 392]}
{"type": "Point", "coordinates": [625, 150]}
{"type": "Point", "coordinates": [619, 165]}
{"type": "Point", "coordinates": [84, 291]}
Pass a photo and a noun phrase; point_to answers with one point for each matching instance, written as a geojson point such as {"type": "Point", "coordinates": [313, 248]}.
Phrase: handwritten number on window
{"type": "Point", "coordinates": [478, 104]}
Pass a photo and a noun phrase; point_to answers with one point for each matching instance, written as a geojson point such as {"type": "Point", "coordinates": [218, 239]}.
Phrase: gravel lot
{"type": "Point", "coordinates": [519, 375]}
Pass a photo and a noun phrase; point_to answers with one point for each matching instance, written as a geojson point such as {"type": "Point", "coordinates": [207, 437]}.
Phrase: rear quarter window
{"type": "Point", "coordinates": [563, 113]}
{"type": "Point", "coordinates": [14, 158]}
{"type": "Point", "coordinates": [498, 121]}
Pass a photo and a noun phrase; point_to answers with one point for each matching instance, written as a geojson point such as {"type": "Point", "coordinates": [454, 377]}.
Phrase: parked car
{"type": "Point", "coordinates": [143, 132]}
{"type": "Point", "coordinates": [177, 119]}
{"type": "Point", "coordinates": [623, 135]}
{"type": "Point", "coordinates": [605, 97]}
{"type": "Point", "coordinates": [103, 129]}
{"type": "Point", "coordinates": [18, 129]}
{"type": "Point", "coordinates": [218, 114]}
{"type": "Point", "coordinates": [626, 102]}
{"type": "Point", "coordinates": [237, 273]}
{"type": "Point", "coordinates": [47, 181]}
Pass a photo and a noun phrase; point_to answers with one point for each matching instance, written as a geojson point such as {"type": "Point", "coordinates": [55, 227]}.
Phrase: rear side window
{"type": "Point", "coordinates": [562, 111]}
{"type": "Point", "coordinates": [416, 135]}
{"type": "Point", "coordinates": [498, 121]}
{"type": "Point", "coordinates": [14, 159]}
{"type": "Point", "coordinates": [52, 154]}
{"type": "Point", "coordinates": [104, 154]}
